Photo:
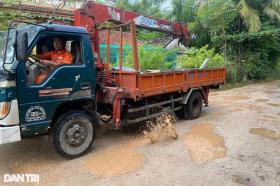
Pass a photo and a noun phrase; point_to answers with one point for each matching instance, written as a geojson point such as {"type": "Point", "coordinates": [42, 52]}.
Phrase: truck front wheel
{"type": "Point", "coordinates": [73, 134]}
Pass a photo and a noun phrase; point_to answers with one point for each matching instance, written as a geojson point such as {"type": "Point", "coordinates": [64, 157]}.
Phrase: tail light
{"type": "Point", "coordinates": [4, 109]}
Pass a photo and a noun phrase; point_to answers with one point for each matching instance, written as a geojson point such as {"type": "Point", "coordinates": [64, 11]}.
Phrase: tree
{"type": "Point", "coordinates": [217, 15]}
{"type": "Point", "coordinates": [250, 11]}
{"type": "Point", "coordinates": [273, 10]}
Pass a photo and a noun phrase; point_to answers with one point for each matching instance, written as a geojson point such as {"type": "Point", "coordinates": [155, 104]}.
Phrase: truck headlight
{"type": "Point", "coordinates": [4, 109]}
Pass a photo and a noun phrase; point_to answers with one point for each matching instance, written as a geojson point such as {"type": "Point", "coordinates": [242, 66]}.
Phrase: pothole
{"type": "Point", "coordinates": [252, 107]}
{"type": "Point", "coordinates": [236, 110]}
{"type": "Point", "coordinates": [204, 144]}
{"type": "Point", "coordinates": [273, 135]}
{"type": "Point", "coordinates": [215, 115]}
{"type": "Point", "coordinates": [235, 98]}
{"type": "Point", "coordinates": [261, 100]}
{"type": "Point", "coordinates": [116, 161]}
{"type": "Point", "coordinates": [271, 91]}
{"type": "Point", "coordinates": [124, 158]}
{"type": "Point", "coordinates": [273, 104]}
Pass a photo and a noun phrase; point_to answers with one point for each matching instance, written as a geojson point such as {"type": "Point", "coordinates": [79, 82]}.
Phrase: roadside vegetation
{"type": "Point", "coordinates": [242, 35]}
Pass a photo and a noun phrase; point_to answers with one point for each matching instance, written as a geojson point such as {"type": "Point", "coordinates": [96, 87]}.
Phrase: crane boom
{"type": "Point", "coordinates": [100, 13]}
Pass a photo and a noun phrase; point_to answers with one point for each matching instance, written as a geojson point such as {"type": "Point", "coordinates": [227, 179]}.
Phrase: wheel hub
{"type": "Point", "coordinates": [76, 135]}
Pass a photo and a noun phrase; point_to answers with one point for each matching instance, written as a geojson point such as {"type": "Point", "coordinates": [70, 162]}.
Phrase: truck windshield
{"type": "Point", "coordinates": [9, 50]}
{"type": "Point", "coordinates": [8, 53]}
{"type": "Point", "coordinates": [3, 38]}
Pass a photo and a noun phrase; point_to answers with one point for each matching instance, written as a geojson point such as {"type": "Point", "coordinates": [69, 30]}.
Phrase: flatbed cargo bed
{"type": "Point", "coordinates": [145, 84]}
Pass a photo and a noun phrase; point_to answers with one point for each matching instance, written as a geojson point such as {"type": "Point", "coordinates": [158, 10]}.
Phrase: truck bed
{"type": "Point", "coordinates": [144, 84]}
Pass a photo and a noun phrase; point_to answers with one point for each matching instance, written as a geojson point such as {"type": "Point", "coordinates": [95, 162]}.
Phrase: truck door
{"type": "Point", "coordinates": [64, 82]}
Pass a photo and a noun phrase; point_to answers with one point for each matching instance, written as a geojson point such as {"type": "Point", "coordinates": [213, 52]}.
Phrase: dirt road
{"type": "Point", "coordinates": [235, 142]}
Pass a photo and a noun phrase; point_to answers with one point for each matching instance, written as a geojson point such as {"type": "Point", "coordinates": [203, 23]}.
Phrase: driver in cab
{"type": "Point", "coordinates": [58, 56]}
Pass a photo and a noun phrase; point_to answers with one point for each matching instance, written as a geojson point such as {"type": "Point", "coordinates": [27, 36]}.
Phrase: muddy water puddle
{"type": "Point", "coordinates": [270, 117]}
{"type": "Point", "coordinates": [235, 98]}
{"type": "Point", "coordinates": [236, 110]}
{"type": "Point", "coordinates": [273, 104]}
{"type": "Point", "coordinates": [214, 115]}
{"type": "Point", "coordinates": [273, 135]}
{"type": "Point", "coordinates": [33, 165]}
{"type": "Point", "coordinates": [261, 100]}
{"type": "Point", "coordinates": [251, 107]}
{"type": "Point", "coordinates": [204, 144]}
{"type": "Point", "coordinates": [114, 161]}
{"type": "Point", "coordinates": [124, 158]}
{"type": "Point", "coordinates": [271, 92]}
{"type": "Point", "coordinates": [267, 121]}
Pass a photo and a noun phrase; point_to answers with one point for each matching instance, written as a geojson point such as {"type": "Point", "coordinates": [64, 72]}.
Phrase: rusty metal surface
{"type": "Point", "coordinates": [121, 50]}
{"type": "Point", "coordinates": [108, 51]}
{"type": "Point", "coordinates": [134, 45]}
{"type": "Point", "coordinates": [141, 85]}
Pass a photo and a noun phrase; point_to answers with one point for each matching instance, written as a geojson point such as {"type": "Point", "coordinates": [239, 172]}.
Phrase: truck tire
{"type": "Point", "coordinates": [193, 108]}
{"type": "Point", "coordinates": [73, 134]}
{"type": "Point", "coordinates": [194, 105]}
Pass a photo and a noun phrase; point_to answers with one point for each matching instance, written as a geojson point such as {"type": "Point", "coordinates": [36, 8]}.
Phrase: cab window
{"type": "Point", "coordinates": [49, 53]}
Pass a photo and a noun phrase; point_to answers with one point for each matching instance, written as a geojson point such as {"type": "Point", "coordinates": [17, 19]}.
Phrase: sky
{"type": "Point", "coordinates": [166, 5]}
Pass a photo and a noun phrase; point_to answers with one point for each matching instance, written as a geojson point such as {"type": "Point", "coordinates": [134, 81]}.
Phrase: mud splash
{"type": "Point", "coordinates": [204, 144]}
{"type": "Point", "coordinates": [161, 128]}
{"type": "Point", "coordinates": [265, 133]}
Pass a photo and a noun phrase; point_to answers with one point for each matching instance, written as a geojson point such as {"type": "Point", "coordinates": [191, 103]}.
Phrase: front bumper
{"type": "Point", "coordinates": [9, 134]}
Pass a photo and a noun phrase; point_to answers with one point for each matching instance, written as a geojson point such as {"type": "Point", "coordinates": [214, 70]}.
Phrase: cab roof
{"type": "Point", "coordinates": [65, 28]}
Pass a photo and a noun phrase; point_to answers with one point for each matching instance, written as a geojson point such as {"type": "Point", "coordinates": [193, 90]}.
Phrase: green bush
{"type": "Point", "coordinates": [151, 58]}
{"type": "Point", "coordinates": [193, 58]}
{"type": "Point", "coordinates": [253, 56]}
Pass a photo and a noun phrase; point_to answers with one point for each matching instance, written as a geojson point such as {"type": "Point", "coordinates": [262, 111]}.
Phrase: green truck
{"type": "Point", "coordinates": [68, 103]}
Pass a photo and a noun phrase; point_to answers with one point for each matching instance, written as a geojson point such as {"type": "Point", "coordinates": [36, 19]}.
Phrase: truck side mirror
{"type": "Point", "coordinates": [21, 46]}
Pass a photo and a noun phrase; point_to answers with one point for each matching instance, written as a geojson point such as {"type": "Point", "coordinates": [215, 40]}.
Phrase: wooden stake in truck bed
{"type": "Point", "coordinates": [71, 99]}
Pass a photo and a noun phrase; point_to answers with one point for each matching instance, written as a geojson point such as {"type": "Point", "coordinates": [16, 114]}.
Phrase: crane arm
{"type": "Point", "coordinates": [100, 13]}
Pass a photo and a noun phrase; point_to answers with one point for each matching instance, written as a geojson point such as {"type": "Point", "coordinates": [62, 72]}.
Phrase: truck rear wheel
{"type": "Point", "coordinates": [73, 134]}
{"type": "Point", "coordinates": [193, 108]}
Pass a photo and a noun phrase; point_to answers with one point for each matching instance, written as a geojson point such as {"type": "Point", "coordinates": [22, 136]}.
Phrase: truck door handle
{"type": "Point", "coordinates": [85, 85]}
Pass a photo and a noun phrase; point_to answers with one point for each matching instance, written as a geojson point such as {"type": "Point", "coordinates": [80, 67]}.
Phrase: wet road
{"type": "Point", "coordinates": [235, 142]}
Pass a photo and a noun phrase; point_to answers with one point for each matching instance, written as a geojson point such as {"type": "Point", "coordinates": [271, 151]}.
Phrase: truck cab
{"type": "Point", "coordinates": [28, 108]}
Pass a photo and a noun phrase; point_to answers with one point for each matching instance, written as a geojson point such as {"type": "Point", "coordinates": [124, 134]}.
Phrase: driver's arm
{"type": "Point", "coordinates": [46, 58]}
